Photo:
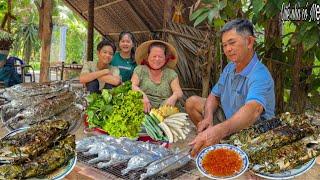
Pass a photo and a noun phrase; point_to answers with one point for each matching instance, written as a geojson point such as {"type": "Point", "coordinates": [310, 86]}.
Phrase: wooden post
{"type": "Point", "coordinates": [167, 13]}
{"type": "Point", "coordinates": [9, 15]}
{"type": "Point", "coordinates": [46, 29]}
{"type": "Point", "coordinates": [62, 71]}
{"type": "Point", "coordinates": [90, 30]}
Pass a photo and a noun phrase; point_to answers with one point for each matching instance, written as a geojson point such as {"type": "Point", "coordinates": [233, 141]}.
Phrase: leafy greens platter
{"type": "Point", "coordinates": [118, 111]}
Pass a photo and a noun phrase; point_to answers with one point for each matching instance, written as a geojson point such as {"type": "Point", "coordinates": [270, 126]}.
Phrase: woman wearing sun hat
{"type": "Point", "coordinates": [154, 76]}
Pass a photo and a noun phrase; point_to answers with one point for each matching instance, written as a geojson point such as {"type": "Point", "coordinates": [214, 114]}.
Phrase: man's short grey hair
{"type": "Point", "coordinates": [242, 27]}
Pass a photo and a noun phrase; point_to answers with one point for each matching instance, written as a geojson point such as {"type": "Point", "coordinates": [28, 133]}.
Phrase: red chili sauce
{"type": "Point", "coordinates": [222, 162]}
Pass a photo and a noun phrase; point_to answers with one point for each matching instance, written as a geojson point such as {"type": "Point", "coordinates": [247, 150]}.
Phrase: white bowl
{"type": "Point", "coordinates": [241, 153]}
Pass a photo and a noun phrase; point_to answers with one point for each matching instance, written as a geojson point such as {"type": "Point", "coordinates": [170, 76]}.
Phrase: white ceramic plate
{"type": "Point", "coordinates": [58, 173]}
{"type": "Point", "coordinates": [290, 173]}
{"type": "Point", "coordinates": [202, 154]}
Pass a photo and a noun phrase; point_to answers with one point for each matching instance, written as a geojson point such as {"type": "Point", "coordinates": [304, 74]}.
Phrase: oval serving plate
{"type": "Point", "coordinates": [202, 154]}
{"type": "Point", "coordinates": [288, 174]}
{"type": "Point", "coordinates": [57, 174]}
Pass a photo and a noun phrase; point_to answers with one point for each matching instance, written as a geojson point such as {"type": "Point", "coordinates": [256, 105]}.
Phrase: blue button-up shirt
{"type": "Point", "coordinates": [253, 83]}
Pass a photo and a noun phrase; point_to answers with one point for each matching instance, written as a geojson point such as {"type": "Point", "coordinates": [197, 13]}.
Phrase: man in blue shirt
{"type": "Point", "coordinates": [245, 90]}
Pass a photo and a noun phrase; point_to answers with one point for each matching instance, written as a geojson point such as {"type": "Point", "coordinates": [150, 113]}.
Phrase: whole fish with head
{"type": "Point", "coordinates": [286, 157]}
{"type": "Point", "coordinates": [278, 137]}
{"type": "Point", "coordinates": [32, 142]}
{"type": "Point", "coordinates": [45, 163]}
{"type": "Point", "coordinates": [95, 148]}
{"type": "Point", "coordinates": [46, 109]}
{"type": "Point", "coordinates": [10, 109]}
{"type": "Point", "coordinates": [246, 135]}
{"type": "Point", "coordinates": [85, 144]}
{"type": "Point", "coordinates": [73, 115]}
{"type": "Point", "coordinates": [116, 157]}
{"type": "Point", "coordinates": [105, 153]}
{"type": "Point", "coordinates": [140, 161]}
{"type": "Point", "coordinates": [22, 103]}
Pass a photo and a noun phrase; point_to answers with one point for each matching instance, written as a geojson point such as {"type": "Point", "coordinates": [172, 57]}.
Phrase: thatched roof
{"type": "Point", "coordinates": [142, 17]}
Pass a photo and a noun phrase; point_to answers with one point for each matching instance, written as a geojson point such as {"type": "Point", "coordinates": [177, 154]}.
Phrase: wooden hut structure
{"type": "Point", "coordinates": [151, 19]}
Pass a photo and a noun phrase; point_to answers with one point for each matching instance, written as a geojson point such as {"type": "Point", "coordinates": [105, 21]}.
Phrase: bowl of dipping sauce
{"type": "Point", "coordinates": [222, 161]}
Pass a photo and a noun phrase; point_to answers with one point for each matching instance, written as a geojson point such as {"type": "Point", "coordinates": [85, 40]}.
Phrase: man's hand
{"type": "Point", "coordinates": [212, 135]}
{"type": "Point", "coordinates": [203, 125]}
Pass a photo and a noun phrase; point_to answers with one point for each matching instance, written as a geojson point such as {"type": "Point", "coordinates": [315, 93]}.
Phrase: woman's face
{"type": "Point", "coordinates": [126, 43]}
{"type": "Point", "coordinates": [156, 58]}
{"type": "Point", "coordinates": [105, 54]}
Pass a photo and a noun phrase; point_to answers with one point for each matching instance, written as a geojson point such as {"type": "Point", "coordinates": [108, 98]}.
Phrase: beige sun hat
{"type": "Point", "coordinates": [142, 53]}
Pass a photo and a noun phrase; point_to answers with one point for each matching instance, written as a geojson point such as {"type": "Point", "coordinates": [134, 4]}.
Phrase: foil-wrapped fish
{"type": "Point", "coordinates": [32, 142]}
{"type": "Point", "coordinates": [182, 162]}
{"type": "Point", "coordinates": [164, 163]}
{"type": "Point", "coordinates": [139, 161]}
{"type": "Point", "coordinates": [105, 154]}
{"type": "Point", "coordinates": [31, 89]}
{"type": "Point", "coordinates": [85, 144]}
{"type": "Point", "coordinates": [43, 164]}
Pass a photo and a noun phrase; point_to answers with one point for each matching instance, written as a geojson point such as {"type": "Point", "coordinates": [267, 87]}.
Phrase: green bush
{"type": "Point", "coordinates": [35, 65]}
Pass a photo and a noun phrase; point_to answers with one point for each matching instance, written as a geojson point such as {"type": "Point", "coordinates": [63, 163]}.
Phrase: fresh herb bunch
{"type": "Point", "coordinates": [6, 40]}
{"type": "Point", "coordinates": [118, 111]}
{"type": "Point", "coordinates": [127, 115]}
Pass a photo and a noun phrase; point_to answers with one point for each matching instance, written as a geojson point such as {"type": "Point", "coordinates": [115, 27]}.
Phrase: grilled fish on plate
{"type": "Point", "coordinates": [32, 142]}
{"type": "Point", "coordinates": [48, 161]}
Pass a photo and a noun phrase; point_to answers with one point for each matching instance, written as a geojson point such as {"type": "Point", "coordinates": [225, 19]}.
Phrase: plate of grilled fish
{"type": "Point", "coordinates": [288, 174]}
{"type": "Point", "coordinates": [42, 151]}
{"type": "Point", "coordinates": [281, 148]}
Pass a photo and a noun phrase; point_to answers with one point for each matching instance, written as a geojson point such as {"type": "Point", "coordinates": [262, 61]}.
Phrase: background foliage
{"type": "Point", "coordinates": [25, 29]}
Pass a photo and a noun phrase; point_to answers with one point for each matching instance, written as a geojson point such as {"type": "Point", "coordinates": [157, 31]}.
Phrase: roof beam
{"type": "Point", "coordinates": [133, 32]}
{"type": "Point", "coordinates": [105, 5]}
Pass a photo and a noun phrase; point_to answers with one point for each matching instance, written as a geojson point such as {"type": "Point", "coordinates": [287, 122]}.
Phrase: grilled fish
{"type": "Point", "coordinates": [30, 143]}
{"type": "Point", "coordinates": [278, 137]}
{"type": "Point", "coordinates": [287, 157]}
{"type": "Point", "coordinates": [42, 111]}
{"type": "Point", "coordinates": [247, 135]}
{"type": "Point", "coordinates": [43, 164]}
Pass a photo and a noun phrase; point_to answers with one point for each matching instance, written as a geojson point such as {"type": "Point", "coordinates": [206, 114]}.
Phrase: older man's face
{"type": "Point", "coordinates": [236, 47]}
